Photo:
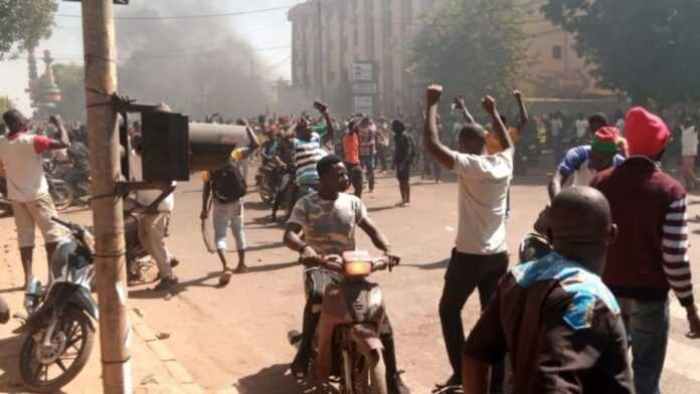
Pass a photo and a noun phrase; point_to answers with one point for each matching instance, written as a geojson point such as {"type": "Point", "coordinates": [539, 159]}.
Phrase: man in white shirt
{"type": "Point", "coordinates": [153, 223]}
{"type": "Point", "coordinates": [480, 256]}
{"type": "Point", "coordinates": [20, 154]}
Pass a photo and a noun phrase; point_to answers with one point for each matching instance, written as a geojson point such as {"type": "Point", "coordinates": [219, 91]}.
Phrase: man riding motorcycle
{"type": "Point", "coordinates": [328, 219]}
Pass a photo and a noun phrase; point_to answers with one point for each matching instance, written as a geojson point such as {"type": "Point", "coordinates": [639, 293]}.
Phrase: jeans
{"type": "Point", "coordinates": [647, 324]}
{"type": "Point", "coordinates": [368, 165]}
{"type": "Point", "coordinates": [465, 273]}
{"type": "Point", "coordinates": [227, 215]}
{"type": "Point", "coordinates": [356, 177]}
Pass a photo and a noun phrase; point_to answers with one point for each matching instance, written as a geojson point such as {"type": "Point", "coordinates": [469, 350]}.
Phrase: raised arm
{"type": "Point", "coordinates": [330, 129]}
{"type": "Point", "coordinates": [431, 139]}
{"type": "Point", "coordinates": [63, 141]}
{"type": "Point", "coordinates": [499, 128]}
{"type": "Point", "coordinates": [524, 118]}
{"type": "Point", "coordinates": [462, 107]}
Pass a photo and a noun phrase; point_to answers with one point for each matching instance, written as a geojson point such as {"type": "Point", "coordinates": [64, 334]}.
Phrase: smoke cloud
{"type": "Point", "coordinates": [198, 66]}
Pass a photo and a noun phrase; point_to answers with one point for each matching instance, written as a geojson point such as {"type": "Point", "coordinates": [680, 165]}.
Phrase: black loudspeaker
{"type": "Point", "coordinates": [165, 147]}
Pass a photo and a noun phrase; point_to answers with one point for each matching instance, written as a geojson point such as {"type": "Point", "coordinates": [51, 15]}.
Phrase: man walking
{"type": "Point", "coordinates": [368, 149]}
{"type": "Point", "coordinates": [555, 316]}
{"type": "Point", "coordinates": [225, 188]}
{"type": "Point", "coordinates": [28, 189]}
{"type": "Point", "coordinates": [480, 257]}
{"type": "Point", "coordinates": [403, 160]}
{"type": "Point", "coordinates": [351, 151]}
{"type": "Point", "coordinates": [650, 256]}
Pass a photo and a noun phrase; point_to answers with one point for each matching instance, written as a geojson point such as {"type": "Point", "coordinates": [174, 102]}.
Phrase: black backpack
{"type": "Point", "coordinates": [228, 184]}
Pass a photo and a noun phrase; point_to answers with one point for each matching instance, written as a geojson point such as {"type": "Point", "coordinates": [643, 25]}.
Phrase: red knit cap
{"type": "Point", "coordinates": [605, 140]}
{"type": "Point", "coordinates": [646, 133]}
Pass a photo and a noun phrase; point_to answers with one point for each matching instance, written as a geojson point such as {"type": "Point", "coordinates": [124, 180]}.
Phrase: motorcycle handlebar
{"type": "Point", "coordinates": [335, 263]}
{"type": "Point", "coordinates": [63, 223]}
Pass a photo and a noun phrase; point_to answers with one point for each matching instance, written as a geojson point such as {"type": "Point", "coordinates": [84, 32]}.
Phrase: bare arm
{"type": "Point", "coordinates": [475, 376]}
{"type": "Point", "coordinates": [254, 143]}
{"type": "Point", "coordinates": [63, 141]}
{"type": "Point", "coordinates": [330, 132]}
{"type": "Point", "coordinates": [431, 138]}
{"type": "Point", "coordinates": [524, 118]}
{"type": "Point", "coordinates": [206, 193]}
{"type": "Point", "coordinates": [462, 107]}
{"type": "Point", "coordinates": [292, 237]}
{"type": "Point", "coordinates": [498, 127]}
{"type": "Point", "coordinates": [377, 237]}
{"type": "Point", "coordinates": [555, 186]}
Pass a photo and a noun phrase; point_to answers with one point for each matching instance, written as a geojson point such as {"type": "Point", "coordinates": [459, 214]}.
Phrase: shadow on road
{"type": "Point", "coordinates": [270, 380]}
{"type": "Point", "coordinates": [271, 267]}
{"type": "Point", "coordinates": [10, 381]}
{"type": "Point", "coordinates": [149, 293]}
{"type": "Point", "coordinates": [431, 266]}
{"type": "Point", "coordinates": [260, 247]}
{"type": "Point", "coordinates": [11, 290]}
{"type": "Point", "coordinates": [378, 209]}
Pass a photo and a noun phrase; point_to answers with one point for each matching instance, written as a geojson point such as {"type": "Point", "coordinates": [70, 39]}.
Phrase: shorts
{"type": "Point", "coordinates": [225, 216]}
{"type": "Point", "coordinates": [29, 215]}
{"type": "Point", "coordinates": [403, 173]}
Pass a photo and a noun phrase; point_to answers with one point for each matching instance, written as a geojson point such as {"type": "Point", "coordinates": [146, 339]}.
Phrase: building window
{"type": "Point", "coordinates": [556, 52]}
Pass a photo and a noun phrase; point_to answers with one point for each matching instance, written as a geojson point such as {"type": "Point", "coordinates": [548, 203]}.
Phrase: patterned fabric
{"type": "Point", "coordinates": [675, 251]}
{"type": "Point", "coordinates": [306, 155]}
{"type": "Point", "coordinates": [329, 226]}
{"type": "Point", "coordinates": [586, 287]}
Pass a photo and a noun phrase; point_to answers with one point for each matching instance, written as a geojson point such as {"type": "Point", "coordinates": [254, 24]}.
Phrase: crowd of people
{"type": "Point", "coordinates": [565, 317]}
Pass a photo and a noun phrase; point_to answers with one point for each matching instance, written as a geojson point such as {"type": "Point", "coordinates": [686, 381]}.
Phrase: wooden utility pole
{"type": "Point", "coordinates": [105, 170]}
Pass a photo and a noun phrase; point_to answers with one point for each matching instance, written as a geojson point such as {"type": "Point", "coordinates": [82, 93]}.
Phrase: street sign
{"type": "Point", "coordinates": [362, 72]}
{"type": "Point", "coordinates": [364, 88]}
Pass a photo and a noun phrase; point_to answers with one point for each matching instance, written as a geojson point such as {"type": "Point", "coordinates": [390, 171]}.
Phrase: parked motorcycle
{"type": "Point", "coordinates": [59, 332]}
{"type": "Point", "coordinates": [347, 347]}
{"type": "Point", "coordinates": [61, 193]}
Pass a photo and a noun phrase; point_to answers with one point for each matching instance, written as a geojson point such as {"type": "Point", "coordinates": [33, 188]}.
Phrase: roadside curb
{"type": "Point", "coordinates": [184, 383]}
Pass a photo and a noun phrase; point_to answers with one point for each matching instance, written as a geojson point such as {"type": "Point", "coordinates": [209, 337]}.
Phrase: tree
{"type": "Point", "coordinates": [472, 47]}
{"type": "Point", "coordinates": [24, 22]}
{"type": "Point", "coordinates": [648, 49]}
{"type": "Point", "coordinates": [70, 79]}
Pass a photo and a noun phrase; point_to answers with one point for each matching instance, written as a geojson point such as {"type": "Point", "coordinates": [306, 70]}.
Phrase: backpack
{"type": "Point", "coordinates": [228, 184]}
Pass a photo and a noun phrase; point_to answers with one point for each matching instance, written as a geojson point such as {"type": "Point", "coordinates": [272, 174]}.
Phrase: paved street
{"type": "Point", "coordinates": [236, 336]}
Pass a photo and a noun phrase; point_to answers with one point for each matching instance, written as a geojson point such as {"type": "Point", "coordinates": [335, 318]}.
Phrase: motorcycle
{"type": "Point", "coordinates": [59, 333]}
{"type": "Point", "coordinates": [61, 193]}
{"type": "Point", "coordinates": [269, 180]}
{"type": "Point", "coordinates": [347, 347]}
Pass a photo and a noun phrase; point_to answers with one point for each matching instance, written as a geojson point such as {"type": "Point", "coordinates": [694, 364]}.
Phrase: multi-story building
{"type": "Point", "coordinates": [329, 36]}
{"type": "Point", "coordinates": [355, 54]}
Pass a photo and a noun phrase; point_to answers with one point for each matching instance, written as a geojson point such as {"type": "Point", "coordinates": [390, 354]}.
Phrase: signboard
{"type": "Point", "coordinates": [364, 88]}
{"type": "Point", "coordinates": [362, 72]}
{"type": "Point", "coordinates": [363, 104]}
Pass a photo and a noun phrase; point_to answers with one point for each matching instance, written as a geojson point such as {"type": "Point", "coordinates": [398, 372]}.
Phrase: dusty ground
{"type": "Point", "coordinates": [237, 335]}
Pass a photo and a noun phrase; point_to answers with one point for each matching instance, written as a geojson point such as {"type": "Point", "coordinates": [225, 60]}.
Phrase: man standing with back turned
{"type": "Point", "coordinates": [650, 256]}
{"type": "Point", "coordinates": [480, 257]}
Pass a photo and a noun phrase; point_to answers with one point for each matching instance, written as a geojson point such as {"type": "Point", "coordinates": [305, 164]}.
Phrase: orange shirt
{"type": "Point", "coordinates": [493, 144]}
{"type": "Point", "coordinates": [351, 148]}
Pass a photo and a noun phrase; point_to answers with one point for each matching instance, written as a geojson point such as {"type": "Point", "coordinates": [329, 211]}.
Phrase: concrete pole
{"type": "Point", "coordinates": [105, 170]}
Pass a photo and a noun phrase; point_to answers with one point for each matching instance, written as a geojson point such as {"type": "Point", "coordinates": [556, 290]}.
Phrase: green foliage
{"type": "Point", "coordinates": [24, 22]}
{"type": "Point", "coordinates": [70, 79]}
{"type": "Point", "coordinates": [472, 47]}
{"type": "Point", "coordinates": [648, 49]}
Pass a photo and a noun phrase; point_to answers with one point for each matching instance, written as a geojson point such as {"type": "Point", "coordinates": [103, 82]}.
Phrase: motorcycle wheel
{"type": "Point", "coordinates": [61, 194]}
{"type": "Point", "coordinates": [73, 341]}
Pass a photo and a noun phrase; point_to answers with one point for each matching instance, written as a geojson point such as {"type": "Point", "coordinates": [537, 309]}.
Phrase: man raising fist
{"type": "Point", "coordinates": [480, 257]}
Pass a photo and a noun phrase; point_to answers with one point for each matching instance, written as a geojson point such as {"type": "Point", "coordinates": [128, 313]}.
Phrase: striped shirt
{"type": "Point", "coordinates": [306, 155]}
{"type": "Point", "coordinates": [676, 263]}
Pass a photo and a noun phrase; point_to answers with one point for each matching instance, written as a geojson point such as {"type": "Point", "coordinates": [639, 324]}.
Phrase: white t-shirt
{"type": "Point", "coordinates": [146, 197]}
{"type": "Point", "coordinates": [21, 157]}
{"type": "Point", "coordinates": [483, 189]}
{"type": "Point", "coordinates": [689, 141]}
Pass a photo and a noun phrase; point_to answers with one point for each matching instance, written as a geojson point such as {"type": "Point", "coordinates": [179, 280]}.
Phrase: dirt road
{"type": "Point", "coordinates": [237, 335]}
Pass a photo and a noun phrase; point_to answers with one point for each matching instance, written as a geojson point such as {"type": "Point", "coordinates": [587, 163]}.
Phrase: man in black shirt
{"type": "Point", "coordinates": [403, 160]}
{"type": "Point", "coordinates": [560, 323]}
